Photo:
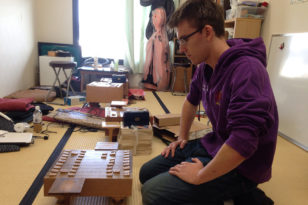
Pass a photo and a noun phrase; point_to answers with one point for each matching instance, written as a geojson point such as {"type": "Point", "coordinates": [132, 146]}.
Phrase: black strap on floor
{"type": "Point", "coordinates": [161, 102]}
{"type": "Point", "coordinates": [38, 182]}
{"type": "Point", "coordinates": [166, 111]}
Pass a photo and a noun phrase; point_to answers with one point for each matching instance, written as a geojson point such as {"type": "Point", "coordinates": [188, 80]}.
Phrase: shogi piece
{"type": "Point", "coordinates": [90, 174]}
{"type": "Point", "coordinates": [106, 146]}
{"type": "Point", "coordinates": [138, 140]}
{"type": "Point", "coordinates": [102, 92]}
{"type": "Point", "coordinates": [119, 104]}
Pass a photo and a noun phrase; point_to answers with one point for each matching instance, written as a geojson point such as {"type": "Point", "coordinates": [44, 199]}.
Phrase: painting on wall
{"type": "Point", "coordinates": [298, 1]}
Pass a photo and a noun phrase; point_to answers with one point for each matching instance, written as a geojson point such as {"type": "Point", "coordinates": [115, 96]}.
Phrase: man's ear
{"type": "Point", "coordinates": [208, 32]}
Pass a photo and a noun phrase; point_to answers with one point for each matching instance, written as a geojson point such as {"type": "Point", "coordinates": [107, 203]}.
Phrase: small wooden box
{"type": "Point", "coordinates": [167, 120]}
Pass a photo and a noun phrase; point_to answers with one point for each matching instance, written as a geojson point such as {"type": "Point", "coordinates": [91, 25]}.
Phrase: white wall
{"type": "Point", "coordinates": [55, 21]}
{"type": "Point", "coordinates": [17, 45]}
{"type": "Point", "coordinates": [19, 33]}
{"type": "Point", "coordinates": [283, 17]}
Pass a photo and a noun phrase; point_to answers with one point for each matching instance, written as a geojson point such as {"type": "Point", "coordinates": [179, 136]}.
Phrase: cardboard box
{"type": "Point", "coordinates": [125, 85]}
{"type": "Point", "coordinates": [74, 100]}
{"type": "Point", "coordinates": [167, 120]}
{"type": "Point", "coordinates": [102, 92]}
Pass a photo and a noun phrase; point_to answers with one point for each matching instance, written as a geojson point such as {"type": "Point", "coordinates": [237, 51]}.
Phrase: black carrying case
{"type": "Point", "coordinates": [136, 117]}
{"type": "Point", "coordinates": [118, 78]}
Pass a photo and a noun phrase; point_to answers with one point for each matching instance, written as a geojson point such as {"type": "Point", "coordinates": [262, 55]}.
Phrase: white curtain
{"type": "Point", "coordinates": [114, 29]}
{"type": "Point", "coordinates": [137, 18]}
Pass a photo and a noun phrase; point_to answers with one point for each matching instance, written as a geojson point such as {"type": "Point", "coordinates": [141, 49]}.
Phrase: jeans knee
{"type": "Point", "coordinates": [148, 196]}
{"type": "Point", "coordinates": [143, 174]}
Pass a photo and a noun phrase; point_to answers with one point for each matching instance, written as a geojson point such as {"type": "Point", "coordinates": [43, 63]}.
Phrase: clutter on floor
{"type": "Point", "coordinates": [37, 95]}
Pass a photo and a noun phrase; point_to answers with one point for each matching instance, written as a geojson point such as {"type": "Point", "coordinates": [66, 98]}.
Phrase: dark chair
{"type": "Point", "coordinates": [57, 66]}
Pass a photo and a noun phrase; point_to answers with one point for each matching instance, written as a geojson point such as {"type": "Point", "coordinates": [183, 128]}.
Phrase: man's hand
{"type": "Point", "coordinates": [172, 146]}
{"type": "Point", "coordinates": [188, 171]}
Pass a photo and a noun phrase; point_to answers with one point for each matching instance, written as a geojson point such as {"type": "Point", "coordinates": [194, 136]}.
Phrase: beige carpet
{"type": "Point", "coordinates": [289, 184]}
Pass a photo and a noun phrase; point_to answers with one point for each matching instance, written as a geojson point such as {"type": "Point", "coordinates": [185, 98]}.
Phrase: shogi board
{"type": "Point", "coordinates": [90, 173]}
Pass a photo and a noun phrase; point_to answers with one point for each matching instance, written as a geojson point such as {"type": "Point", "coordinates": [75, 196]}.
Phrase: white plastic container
{"type": "Point", "coordinates": [250, 12]}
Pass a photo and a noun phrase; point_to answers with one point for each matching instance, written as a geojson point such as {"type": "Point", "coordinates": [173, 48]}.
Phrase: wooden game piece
{"type": "Point", "coordinates": [57, 167]}
{"type": "Point", "coordinates": [61, 160]}
{"type": "Point", "coordinates": [73, 170]}
{"type": "Point", "coordinates": [83, 151]}
{"type": "Point", "coordinates": [77, 162]}
{"type": "Point", "coordinates": [126, 168]}
{"type": "Point", "coordinates": [59, 163]}
{"type": "Point", "coordinates": [116, 171]}
{"type": "Point", "coordinates": [111, 160]}
{"type": "Point", "coordinates": [52, 174]}
{"type": "Point", "coordinates": [104, 156]}
{"type": "Point", "coordinates": [126, 173]}
{"type": "Point", "coordinates": [54, 170]}
{"type": "Point", "coordinates": [75, 167]}
{"type": "Point", "coordinates": [73, 153]}
{"type": "Point", "coordinates": [119, 104]}
{"type": "Point", "coordinates": [113, 154]}
{"type": "Point", "coordinates": [109, 174]}
{"type": "Point", "coordinates": [64, 170]}
{"type": "Point", "coordinates": [108, 170]}
{"type": "Point", "coordinates": [71, 174]}
{"type": "Point", "coordinates": [106, 146]}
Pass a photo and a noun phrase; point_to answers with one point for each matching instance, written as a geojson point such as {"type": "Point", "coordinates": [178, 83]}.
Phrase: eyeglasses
{"type": "Point", "coordinates": [183, 40]}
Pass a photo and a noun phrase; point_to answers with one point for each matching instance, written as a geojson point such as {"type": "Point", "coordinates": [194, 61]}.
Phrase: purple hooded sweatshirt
{"type": "Point", "coordinates": [240, 104]}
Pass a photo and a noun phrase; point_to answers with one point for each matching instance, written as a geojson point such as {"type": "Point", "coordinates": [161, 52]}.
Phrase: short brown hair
{"type": "Point", "coordinates": [200, 13]}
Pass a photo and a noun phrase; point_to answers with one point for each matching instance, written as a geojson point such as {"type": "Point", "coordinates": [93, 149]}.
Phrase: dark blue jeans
{"type": "Point", "coordinates": [160, 187]}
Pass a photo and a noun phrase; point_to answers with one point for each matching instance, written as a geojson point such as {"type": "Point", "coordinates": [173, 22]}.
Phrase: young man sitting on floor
{"type": "Point", "coordinates": [234, 87]}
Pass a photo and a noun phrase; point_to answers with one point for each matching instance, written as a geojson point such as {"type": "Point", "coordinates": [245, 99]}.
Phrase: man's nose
{"type": "Point", "coordinates": [182, 49]}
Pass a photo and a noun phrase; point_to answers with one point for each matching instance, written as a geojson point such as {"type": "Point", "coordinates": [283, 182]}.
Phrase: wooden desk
{"type": "Point", "coordinates": [99, 73]}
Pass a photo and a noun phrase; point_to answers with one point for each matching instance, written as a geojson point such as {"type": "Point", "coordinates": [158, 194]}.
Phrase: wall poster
{"type": "Point", "coordinates": [298, 1]}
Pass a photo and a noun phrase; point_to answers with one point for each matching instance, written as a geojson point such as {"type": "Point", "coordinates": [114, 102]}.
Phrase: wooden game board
{"type": "Point", "coordinates": [90, 173]}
